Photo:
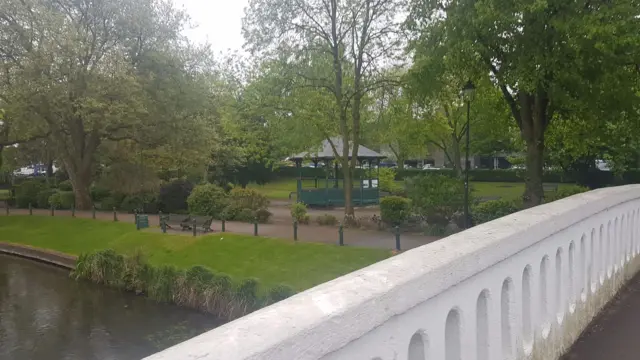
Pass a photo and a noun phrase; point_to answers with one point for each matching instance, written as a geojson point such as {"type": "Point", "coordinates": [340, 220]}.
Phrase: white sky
{"type": "Point", "coordinates": [218, 22]}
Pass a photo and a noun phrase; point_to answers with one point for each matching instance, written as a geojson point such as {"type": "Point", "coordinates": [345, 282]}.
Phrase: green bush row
{"type": "Point", "coordinates": [592, 178]}
{"type": "Point", "coordinates": [198, 287]}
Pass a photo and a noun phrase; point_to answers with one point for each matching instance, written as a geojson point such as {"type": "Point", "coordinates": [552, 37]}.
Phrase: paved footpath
{"type": "Point", "coordinates": [308, 233]}
{"type": "Point", "coordinates": [615, 333]}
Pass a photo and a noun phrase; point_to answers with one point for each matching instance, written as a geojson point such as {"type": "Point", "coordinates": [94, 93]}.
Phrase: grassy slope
{"type": "Point", "coordinates": [272, 261]}
{"type": "Point", "coordinates": [280, 189]}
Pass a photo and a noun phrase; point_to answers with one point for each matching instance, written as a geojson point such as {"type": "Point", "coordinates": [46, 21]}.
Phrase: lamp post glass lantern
{"type": "Point", "coordinates": [468, 94]}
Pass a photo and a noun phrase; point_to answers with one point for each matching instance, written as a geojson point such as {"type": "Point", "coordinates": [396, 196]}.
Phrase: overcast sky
{"type": "Point", "coordinates": [218, 21]}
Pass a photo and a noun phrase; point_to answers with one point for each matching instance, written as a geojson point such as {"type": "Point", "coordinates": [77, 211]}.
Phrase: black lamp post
{"type": "Point", "coordinates": [468, 93]}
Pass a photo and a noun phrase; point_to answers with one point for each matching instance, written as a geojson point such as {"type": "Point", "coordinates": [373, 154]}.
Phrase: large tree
{"type": "Point", "coordinates": [86, 73]}
{"type": "Point", "coordinates": [338, 48]}
{"type": "Point", "coordinates": [545, 57]}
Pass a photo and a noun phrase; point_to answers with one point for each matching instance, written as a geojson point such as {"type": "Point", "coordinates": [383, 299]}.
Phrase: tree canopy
{"type": "Point", "coordinates": [548, 59]}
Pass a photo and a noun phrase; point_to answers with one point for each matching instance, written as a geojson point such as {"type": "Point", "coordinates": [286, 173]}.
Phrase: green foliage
{"type": "Point", "coordinates": [42, 199]}
{"type": "Point", "coordinates": [327, 220]}
{"type": "Point", "coordinates": [65, 186]}
{"type": "Point", "coordinates": [247, 205]}
{"type": "Point", "coordinates": [197, 287]}
{"type": "Point", "coordinates": [263, 216]}
{"type": "Point", "coordinates": [565, 192]}
{"type": "Point", "coordinates": [142, 202]}
{"type": "Point", "coordinates": [280, 292]}
{"type": "Point", "coordinates": [437, 197]}
{"type": "Point", "coordinates": [109, 203]}
{"type": "Point", "coordinates": [299, 213]}
{"type": "Point", "coordinates": [387, 180]}
{"type": "Point", "coordinates": [208, 199]}
{"type": "Point", "coordinates": [491, 210]}
{"type": "Point", "coordinates": [394, 210]}
{"type": "Point", "coordinates": [583, 70]}
{"type": "Point", "coordinates": [173, 196]}
{"type": "Point", "coordinates": [63, 200]}
{"type": "Point", "coordinates": [27, 193]}
{"type": "Point", "coordinates": [99, 193]}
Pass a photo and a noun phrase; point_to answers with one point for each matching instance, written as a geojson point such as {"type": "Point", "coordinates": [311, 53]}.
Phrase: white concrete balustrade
{"type": "Point", "coordinates": [521, 287]}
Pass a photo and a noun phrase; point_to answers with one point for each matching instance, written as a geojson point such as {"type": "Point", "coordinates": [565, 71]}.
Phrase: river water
{"type": "Point", "coordinates": [45, 315]}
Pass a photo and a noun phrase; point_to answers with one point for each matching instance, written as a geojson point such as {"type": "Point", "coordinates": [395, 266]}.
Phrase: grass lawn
{"type": "Point", "coordinates": [4, 194]}
{"type": "Point", "coordinates": [280, 189]}
{"type": "Point", "coordinates": [272, 261]}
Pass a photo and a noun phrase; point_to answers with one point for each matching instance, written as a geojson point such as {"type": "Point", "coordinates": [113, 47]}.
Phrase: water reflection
{"type": "Point", "coordinates": [46, 315]}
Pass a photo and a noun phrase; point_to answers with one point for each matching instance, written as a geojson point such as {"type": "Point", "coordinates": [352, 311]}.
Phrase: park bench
{"type": "Point", "coordinates": [178, 221]}
{"type": "Point", "coordinates": [202, 223]}
{"type": "Point", "coordinates": [550, 187]}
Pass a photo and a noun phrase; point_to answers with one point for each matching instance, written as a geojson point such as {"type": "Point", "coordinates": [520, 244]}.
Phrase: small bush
{"type": "Point", "coordinates": [394, 210]}
{"type": "Point", "coordinates": [27, 193]}
{"type": "Point", "coordinates": [491, 210]}
{"type": "Point", "coordinates": [327, 220]}
{"type": "Point", "coordinates": [207, 199]}
{"type": "Point", "coordinates": [299, 213]}
{"type": "Point", "coordinates": [42, 200]}
{"type": "Point", "coordinates": [248, 199]}
{"type": "Point", "coordinates": [63, 200]}
{"type": "Point", "coordinates": [247, 205]}
{"type": "Point", "coordinates": [173, 196]}
{"type": "Point", "coordinates": [564, 192]}
{"type": "Point", "coordinates": [263, 215]}
{"type": "Point", "coordinates": [109, 203]}
{"type": "Point", "coordinates": [99, 193]}
{"type": "Point", "coordinates": [280, 292]}
{"type": "Point", "coordinates": [65, 186]}
{"type": "Point", "coordinates": [436, 197]}
{"type": "Point", "coordinates": [387, 181]}
{"type": "Point", "coordinates": [143, 202]}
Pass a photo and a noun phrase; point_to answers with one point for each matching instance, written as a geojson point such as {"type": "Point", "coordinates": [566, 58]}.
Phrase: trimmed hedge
{"type": "Point", "coordinates": [593, 179]}
{"type": "Point", "coordinates": [491, 210]}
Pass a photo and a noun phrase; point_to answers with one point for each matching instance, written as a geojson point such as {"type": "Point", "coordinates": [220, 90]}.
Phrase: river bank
{"type": "Point", "coordinates": [226, 275]}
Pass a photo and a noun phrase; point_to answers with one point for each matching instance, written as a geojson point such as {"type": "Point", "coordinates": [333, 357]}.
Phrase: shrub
{"type": "Point", "coordinates": [99, 193]}
{"type": "Point", "coordinates": [207, 199]}
{"type": "Point", "coordinates": [65, 186]}
{"type": "Point", "coordinates": [27, 193]}
{"type": "Point", "coordinates": [280, 292]}
{"type": "Point", "coordinates": [62, 200]}
{"type": "Point", "coordinates": [327, 220]}
{"type": "Point", "coordinates": [108, 203]}
{"type": "Point", "coordinates": [394, 210]}
{"type": "Point", "coordinates": [247, 205]}
{"type": "Point", "coordinates": [387, 180]}
{"type": "Point", "coordinates": [299, 213]}
{"type": "Point", "coordinates": [248, 199]}
{"type": "Point", "coordinates": [436, 197]}
{"type": "Point", "coordinates": [42, 199]}
{"type": "Point", "coordinates": [263, 215]}
{"type": "Point", "coordinates": [564, 192]}
{"type": "Point", "coordinates": [173, 196]}
{"type": "Point", "coordinates": [491, 210]}
{"type": "Point", "coordinates": [142, 202]}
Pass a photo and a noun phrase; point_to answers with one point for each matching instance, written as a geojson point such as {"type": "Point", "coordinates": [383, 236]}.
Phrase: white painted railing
{"type": "Point", "coordinates": [520, 287]}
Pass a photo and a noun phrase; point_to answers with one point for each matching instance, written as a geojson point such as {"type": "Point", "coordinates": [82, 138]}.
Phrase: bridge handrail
{"type": "Point", "coordinates": [331, 320]}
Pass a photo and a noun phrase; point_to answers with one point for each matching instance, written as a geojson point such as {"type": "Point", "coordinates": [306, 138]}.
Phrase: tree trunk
{"type": "Point", "coordinates": [79, 164]}
{"type": "Point", "coordinates": [81, 189]}
{"type": "Point", "coordinates": [534, 121]}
